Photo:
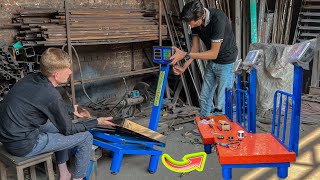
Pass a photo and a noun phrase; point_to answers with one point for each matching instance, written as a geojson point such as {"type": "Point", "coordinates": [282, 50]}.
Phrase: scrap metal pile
{"type": "Point", "coordinates": [87, 26]}
{"type": "Point", "coordinates": [11, 69]}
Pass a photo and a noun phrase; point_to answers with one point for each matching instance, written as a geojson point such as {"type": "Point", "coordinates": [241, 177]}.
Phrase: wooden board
{"type": "Point", "coordinates": [134, 128]}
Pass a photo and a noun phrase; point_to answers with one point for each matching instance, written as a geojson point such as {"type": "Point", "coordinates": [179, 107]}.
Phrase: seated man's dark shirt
{"type": "Point", "coordinates": [30, 103]}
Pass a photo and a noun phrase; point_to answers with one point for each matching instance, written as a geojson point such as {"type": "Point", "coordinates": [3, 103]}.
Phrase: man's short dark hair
{"type": "Point", "coordinates": [192, 11]}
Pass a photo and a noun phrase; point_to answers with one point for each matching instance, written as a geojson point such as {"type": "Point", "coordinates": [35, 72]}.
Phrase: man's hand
{"type": "Point", "coordinates": [106, 121]}
{"type": "Point", "coordinates": [177, 70]}
{"type": "Point", "coordinates": [81, 112]}
{"type": "Point", "coordinates": [178, 55]}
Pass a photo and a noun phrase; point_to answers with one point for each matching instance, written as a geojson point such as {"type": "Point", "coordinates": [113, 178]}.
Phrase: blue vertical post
{"type": "Point", "coordinates": [297, 92]}
{"type": "Point", "coordinates": [252, 100]}
{"type": "Point", "coordinates": [157, 103]}
{"type": "Point", "coordinates": [238, 101]}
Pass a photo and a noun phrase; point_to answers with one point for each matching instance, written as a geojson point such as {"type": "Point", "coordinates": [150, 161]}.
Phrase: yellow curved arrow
{"type": "Point", "coordinates": [190, 162]}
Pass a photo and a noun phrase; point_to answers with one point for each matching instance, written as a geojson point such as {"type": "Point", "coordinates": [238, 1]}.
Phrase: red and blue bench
{"type": "Point", "coordinates": [276, 149]}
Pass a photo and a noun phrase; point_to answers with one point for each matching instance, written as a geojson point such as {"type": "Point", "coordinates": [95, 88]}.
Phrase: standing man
{"type": "Point", "coordinates": [34, 118]}
{"type": "Point", "coordinates": [213, 27]}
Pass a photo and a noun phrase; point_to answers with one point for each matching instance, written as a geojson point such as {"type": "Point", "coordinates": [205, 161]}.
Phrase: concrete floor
{"type": "Point", "coordinates": [307, 165]}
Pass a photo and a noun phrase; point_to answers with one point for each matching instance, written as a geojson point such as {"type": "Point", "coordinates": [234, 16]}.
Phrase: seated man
{"type": "Point", "coordinates": [34, 118]}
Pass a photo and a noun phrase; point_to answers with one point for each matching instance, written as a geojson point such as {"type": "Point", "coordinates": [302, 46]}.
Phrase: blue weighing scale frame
{"type": "Point", "coordinates": [120, 145]}
{"type": "Point", "coordinates": [246, 104]}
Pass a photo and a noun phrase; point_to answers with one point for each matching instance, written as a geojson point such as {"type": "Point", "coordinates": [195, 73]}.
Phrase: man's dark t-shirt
{"type": "Point", "coordinates": [30, 103]}
{"type": "Point", "coordinates": [218, 30]}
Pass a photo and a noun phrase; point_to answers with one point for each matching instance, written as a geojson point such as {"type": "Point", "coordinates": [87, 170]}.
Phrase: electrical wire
{"type": "Point", "coordinates": [81, 74]}
{"type": "Point", "coordinates": [85, 92]}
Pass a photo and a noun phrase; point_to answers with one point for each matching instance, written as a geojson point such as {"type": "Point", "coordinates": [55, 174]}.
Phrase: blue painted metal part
{"type": "Point", "coordinates": [282, 168]}
{"type": "Point", "coordinates": [297, 92]}
{"type": "Point", "coordinates": [90, 170]}
{"type": "Point", "coordinates": [276, 132]}
{"type": "Point", "coordinates": [238, 86]}
{"type": "Point", "coordinates": [127, 145]}
{"type": "Point", "coordinates": [156, 107]}
{"type": "Point", "coordinates": [295, 121]}
{"type": "Point", "coordinates": [228, 103]}
{"type": "Point", "coordinates": [252, 100]}
{"type": "Point", "coordinates": [120, 145]}
{"type": "Point", "coordinates": [243, 118]}
{"type": "Point", "coordinates": [207, 148]}
{"type": "Point", "coordinates": [122, 140]}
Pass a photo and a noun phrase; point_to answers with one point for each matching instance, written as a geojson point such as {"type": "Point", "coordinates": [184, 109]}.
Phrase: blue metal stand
{"type": "Point", "coordinates": [121, 145]}
{"type": "Point", "coordinates": [297, 92]}
{"type": "Point", "coordinates": [250, 105]}
{"type": "Point", "coordinates": [156, 108]}
{"type": "Point", "coordinates": [252, 100]}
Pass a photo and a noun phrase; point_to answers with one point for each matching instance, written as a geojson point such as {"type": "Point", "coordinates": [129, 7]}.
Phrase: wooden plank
{"type": "Point", "coordinates": [311, 7]}
{"type": "Point", "coordinates": [134, 128]}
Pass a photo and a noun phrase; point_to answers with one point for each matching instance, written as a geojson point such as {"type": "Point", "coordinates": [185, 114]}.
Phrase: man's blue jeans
{"type": "Point", "coordinates": [217, 77]}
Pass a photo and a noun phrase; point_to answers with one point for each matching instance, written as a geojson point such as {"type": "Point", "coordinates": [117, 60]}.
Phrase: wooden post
{"type": "Point", "coordinates": [73, 93]}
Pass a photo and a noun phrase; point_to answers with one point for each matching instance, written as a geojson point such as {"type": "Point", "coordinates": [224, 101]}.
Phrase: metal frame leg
{"type": "Point", "coordinates": [282, 172]}
{"type": "Point", "coordinates": [153, 164]}
{"type": "Point", "coordinates": [90, 170]}
{"type": "Point", "coordinates": [207, 148]}
{"type": "Point", "coordinates": [226, 173]}
{"type": "Point", "coordinates": [116, 162]}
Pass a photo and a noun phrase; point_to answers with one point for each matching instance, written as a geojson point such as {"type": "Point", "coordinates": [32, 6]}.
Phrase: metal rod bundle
{"type": "Point", "coordinates": [87, 26]}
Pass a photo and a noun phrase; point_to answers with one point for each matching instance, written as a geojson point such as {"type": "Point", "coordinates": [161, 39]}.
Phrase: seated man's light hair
{"type": "Point", "coordinates": [54, 59]}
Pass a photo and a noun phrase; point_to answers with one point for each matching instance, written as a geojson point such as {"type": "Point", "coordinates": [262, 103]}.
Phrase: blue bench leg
{"type": "Point", "coordinates": [226, 173]}
{"type": "Point", "coordinates": [116, 162]}
{"type": "Point", "coordinates": [282, 172]}
{"type": "Point", "coordinates": [153, 164]}
{"type": "Point", "coordinates": [90, 170]}
{"type": "Point", "coordinates": [207, 148]}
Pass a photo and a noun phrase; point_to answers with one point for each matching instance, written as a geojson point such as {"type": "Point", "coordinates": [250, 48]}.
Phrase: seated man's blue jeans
{"type": "Point", "coordinates": [50, 140]}
{"type": "Point", "coordinates": [217, 77]}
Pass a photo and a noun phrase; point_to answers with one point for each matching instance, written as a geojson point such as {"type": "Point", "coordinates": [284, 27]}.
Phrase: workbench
{"type": "Point", "coordinates": [253, 151]}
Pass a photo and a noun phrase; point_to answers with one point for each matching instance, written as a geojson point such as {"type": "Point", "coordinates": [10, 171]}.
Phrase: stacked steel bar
{"type": "Point", "coordinates": [308, 25]}
{"type": "Point", "coordinates": [88, 26]}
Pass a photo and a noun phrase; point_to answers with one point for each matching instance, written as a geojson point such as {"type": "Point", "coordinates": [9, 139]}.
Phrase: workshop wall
{"type": "Point", "coordinates": [95, 60]}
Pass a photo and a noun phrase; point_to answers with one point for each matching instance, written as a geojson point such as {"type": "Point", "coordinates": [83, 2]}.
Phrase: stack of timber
{"type": "Point", "coordinates": [87, 26]}
{"type": "Point", "coordinates": [308, 25]}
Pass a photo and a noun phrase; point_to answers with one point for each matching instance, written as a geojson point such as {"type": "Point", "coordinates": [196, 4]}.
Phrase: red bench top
{"type": "Point", "coordinates": [254, 148]}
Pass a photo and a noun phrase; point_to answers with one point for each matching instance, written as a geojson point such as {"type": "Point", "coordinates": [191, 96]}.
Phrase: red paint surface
{"type": "Point", "coordinates": [254, 147]}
